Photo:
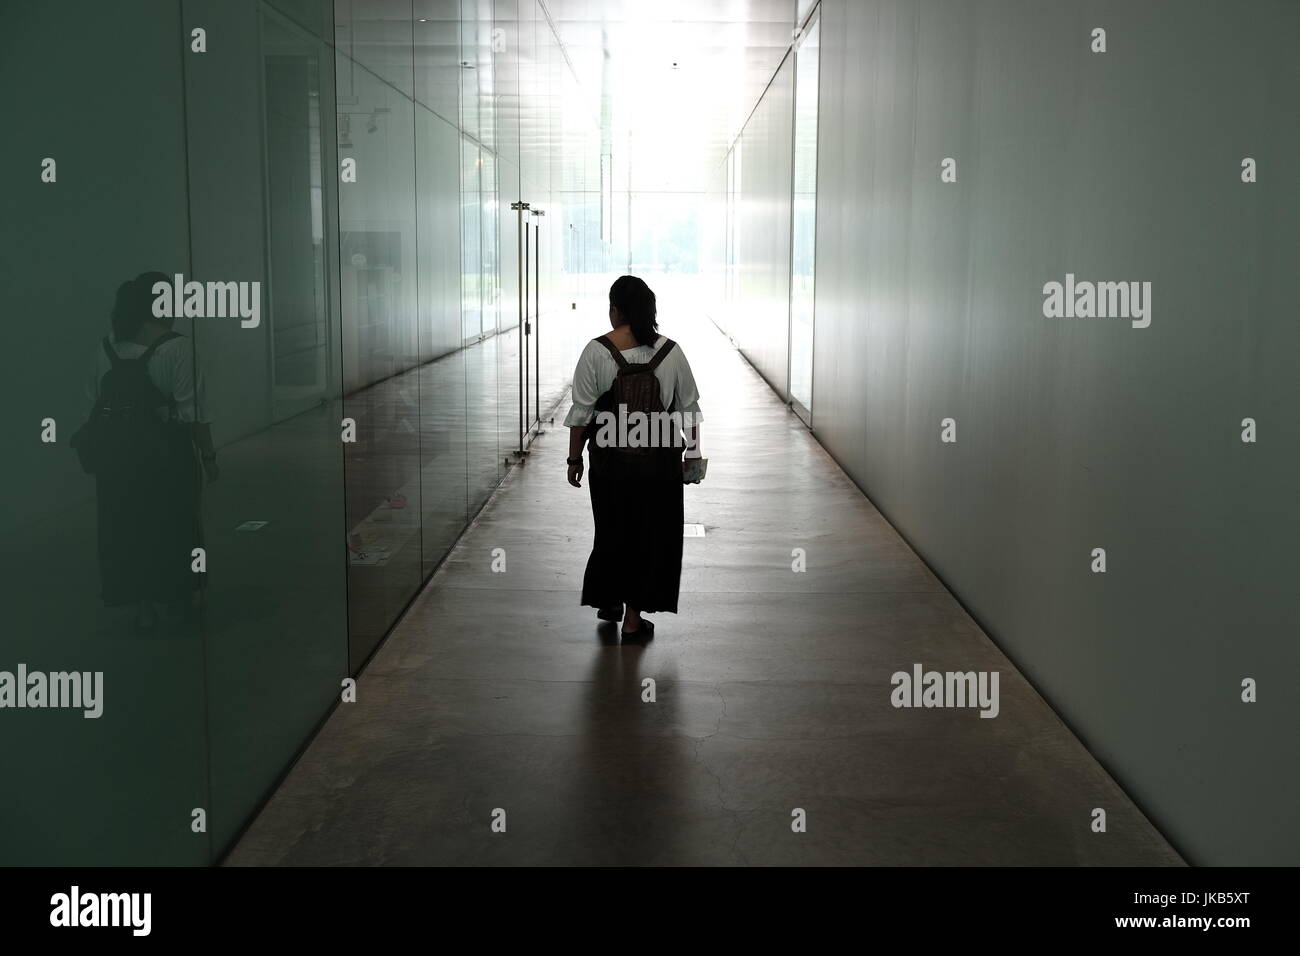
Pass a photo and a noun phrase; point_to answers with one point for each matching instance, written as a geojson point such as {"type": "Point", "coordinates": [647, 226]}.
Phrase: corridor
{"type": "Point", "coordinates": [496, 691]}
{"type": "Point", "coordinates": [990, 305]}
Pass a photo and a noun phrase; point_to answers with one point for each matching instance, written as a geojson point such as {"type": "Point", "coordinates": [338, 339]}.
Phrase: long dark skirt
{"type": "Point", "coordinates": [637, 557]}
{"type": "Point", "coordinates": [149, 523]}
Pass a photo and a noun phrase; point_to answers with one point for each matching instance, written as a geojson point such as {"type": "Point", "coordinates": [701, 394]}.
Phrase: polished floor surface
{"type": "Point", "coordinates": [498, 699]}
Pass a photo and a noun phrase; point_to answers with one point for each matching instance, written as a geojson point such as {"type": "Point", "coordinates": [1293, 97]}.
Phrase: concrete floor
{"type": "Point", "coordinates": [497, 690]}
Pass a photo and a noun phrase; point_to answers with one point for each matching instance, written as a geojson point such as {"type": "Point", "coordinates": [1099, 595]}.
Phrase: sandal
{"type": "Point", "coordinates": [645, 630]}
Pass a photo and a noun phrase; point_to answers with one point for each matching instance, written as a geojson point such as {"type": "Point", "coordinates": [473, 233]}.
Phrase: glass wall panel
{"type": "Point", "coordinates": [490, 256]}
{"type": "Point", "coordinates": [274, 603]}
{"type": "Point", "coordinates": [480, 285]}
{"type": "Point", "coordinates": [338, 182]}
{"type": "Point", "coordinates": [483, 417]}
{"type": "Point", "coordinates": [470, 121]}
{"type": "Point", "coordinates": [374, 36]}
{"type": "Point", "coordinates": [104, 767]}
{"type": "Point", "coordinates": [804, 212]}
{"type": "Point", "coordinates": [515, 71]}
{"type": "Point", "coordinates": [380, 352]}
{"type": "Point", "coordinates": [438, 71]}
{"type": "Point", "coordinates": [471, 241]}
{"type": "Point", "coordinates": [443, 454]}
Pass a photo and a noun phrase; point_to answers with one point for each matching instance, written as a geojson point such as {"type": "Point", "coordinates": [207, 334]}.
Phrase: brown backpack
{"type": "Point", "coordinates": [637, 388]}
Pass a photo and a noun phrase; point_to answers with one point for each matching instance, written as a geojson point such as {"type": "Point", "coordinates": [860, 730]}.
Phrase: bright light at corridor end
{"type": "Point", "coordinates": [676, 80]}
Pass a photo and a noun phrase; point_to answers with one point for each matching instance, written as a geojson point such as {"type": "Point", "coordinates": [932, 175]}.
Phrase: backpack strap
{"type": "Point", "coordinates": [144, 361]}
{"type": "Point", "coordinates": [618, 356]}
{"type": "Point", "coordinates": [662, 353]}
{"type": "Point", "coordinates": [113, 357]}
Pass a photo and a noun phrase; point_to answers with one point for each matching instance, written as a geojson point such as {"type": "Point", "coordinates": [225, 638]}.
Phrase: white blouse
{"type": "Point", "coordinates": [597, 368]}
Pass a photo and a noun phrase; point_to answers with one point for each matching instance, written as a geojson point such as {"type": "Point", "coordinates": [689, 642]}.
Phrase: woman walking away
{"type": "Point", "coordinates": [636, 408]}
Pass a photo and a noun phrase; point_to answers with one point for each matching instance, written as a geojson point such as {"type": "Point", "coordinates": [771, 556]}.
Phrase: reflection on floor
{"type": "Point", "coordinates": [432, 444]}
{"type": "Point", "coordinates": [497, 692]}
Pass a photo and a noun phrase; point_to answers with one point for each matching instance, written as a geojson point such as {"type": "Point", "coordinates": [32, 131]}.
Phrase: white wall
{"type": "Point", "coordinates": [1080, 434]}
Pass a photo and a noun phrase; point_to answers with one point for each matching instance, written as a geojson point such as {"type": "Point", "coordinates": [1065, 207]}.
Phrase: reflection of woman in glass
{"type": "Point", "coordinates": [148, 449]}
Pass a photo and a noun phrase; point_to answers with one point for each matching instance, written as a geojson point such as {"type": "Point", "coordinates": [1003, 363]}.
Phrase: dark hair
{"type": "Point", "coordinates": [636, 303]}
{"type": "Point", "coordinates": [133, 306]}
